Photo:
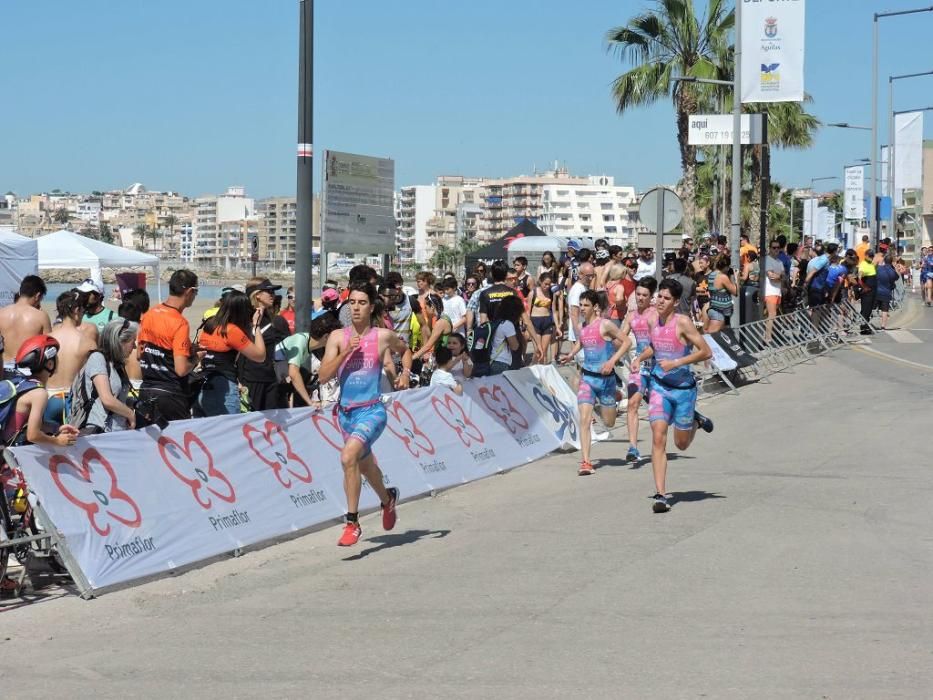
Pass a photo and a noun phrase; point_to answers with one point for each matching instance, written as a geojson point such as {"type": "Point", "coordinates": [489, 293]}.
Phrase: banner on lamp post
{"type": "Point", "coordinates": [908, 153]}
{"type": "Point", "coordinates": [855, 192]}
{"type": "Point", "coordinates": [772, 51]}
{"type": "Point", "coordinates": [810, 207]}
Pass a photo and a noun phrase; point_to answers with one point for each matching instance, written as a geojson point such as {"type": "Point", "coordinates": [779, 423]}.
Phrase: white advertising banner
{"type": "Point", "coordinates": [501, 400]}
{"type": "Point", "coordinates": [553, 400]}
{"type": "Point", "coordinates": [826, 223]}
{"type": "Point", "coordinates": [772, 51]}
{"type": "Point", "coordinates": [716, 129]}
{"type": "Point", "coordinates": [855, 192]}
{"type": "Point", "coordinates": [137, 503]}
{"type": "Point", "coordinates": [810, 223]}
{"type": "Point", "coordinates": [908, 154]}
{"type": "Point", "coordinates": [720, 359]}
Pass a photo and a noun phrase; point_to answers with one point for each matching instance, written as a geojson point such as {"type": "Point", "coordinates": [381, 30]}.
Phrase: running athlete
{"type": "Point", "coordinates": [355, 355]}
{"type": "Point", "coordinates": [926, 276]}
{"type": "Point", "coordinates": [597, 373]}
{"type": "Point", "coordinates": [639, 322]}
{"type": "Point", "coordinates": [675, 345]}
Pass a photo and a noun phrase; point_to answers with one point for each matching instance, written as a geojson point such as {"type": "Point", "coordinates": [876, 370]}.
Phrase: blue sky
{"type": "Point", "coordinates": [197, 95]}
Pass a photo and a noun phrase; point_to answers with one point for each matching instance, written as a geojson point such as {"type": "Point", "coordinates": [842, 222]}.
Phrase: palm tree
{"type": "Point", "coordinates": [668, 42]}
{"type": "Point", "coordinates": [61, 216]}
{"type": "Point", "coordinates": [789, 126]}
{"type": "Point", "coordinates": [170, 222]}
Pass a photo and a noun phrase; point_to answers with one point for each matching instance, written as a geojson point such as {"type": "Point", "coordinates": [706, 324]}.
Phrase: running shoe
{"type": "Point", "coordinates": [351, 535]}
{"type": "Point", "coordinates": [389, 515]}
{"type": "Point", "coordinates": [632, 455]}
{"type": "Point", "coordinates": [586, 468]}
{"type": "Point", "coordinates": [661, 503]}
{"type": "Point", "coordinates": [703, 422]}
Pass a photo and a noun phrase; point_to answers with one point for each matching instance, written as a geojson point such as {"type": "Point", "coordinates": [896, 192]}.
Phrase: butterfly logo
{"type": "Point", "coordinates": [769, 68]}
{"type": "Point", "coordinates": [453, 415]}
{"type": "Point", "coordinates": [498, 403]}
{"type": "Point", "coordinates": [415, 441]}
{"type": "Point", "coordinates": [559, 413]}
{"type": "Point", "coordinates": [329, 428]}
{"type": "Point", "coordinates": [193, 465]}
{"type": "Point", "coordinates": [271, 444]}
{"type": "Point", "coordinates": [94, 489]}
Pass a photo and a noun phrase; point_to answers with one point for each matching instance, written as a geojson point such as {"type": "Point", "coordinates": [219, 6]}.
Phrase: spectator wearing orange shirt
{"type": "Point", "coordinates": [166, 356]}
{"type": "Point", "coordinates": [233, 330]}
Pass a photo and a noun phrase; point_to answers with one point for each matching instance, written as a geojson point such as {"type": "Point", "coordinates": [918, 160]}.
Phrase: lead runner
{"type": "Point", "coordinates": [675, 345]}
{"type": "Point", "coordinates": [355, 354]}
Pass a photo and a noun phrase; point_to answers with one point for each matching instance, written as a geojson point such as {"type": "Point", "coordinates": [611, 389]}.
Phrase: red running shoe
{"type": "Point", "coordinates": [351, 535]}
{"type": "Point", "coordinates": [389, 516]}
{"type": "Point", "coordinates": [586, 468]}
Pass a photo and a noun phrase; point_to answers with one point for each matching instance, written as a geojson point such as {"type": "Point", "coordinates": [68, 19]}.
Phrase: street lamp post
{"type": "Point", "coordinates": [874, 114]}
{"type": "Point", "coordinates": [304, 223]}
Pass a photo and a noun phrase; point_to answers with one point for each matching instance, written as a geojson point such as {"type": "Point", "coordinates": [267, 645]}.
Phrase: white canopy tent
{"type": "Point", "coordinates": [18, 258]}
{"type": "Point", "coordinates": [67, 249]}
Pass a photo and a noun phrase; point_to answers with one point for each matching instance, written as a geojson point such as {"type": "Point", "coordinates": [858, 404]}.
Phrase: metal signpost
{"type": "Point", "coordinates": [660, 211]}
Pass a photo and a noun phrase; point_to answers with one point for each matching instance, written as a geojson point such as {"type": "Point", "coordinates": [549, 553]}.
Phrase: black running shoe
{"type": "Point", "coordinates": [661, 504]}
{"type": "Point", "coordinates": [703, 422]}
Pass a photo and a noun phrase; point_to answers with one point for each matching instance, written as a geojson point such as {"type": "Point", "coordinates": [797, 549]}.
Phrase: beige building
{"type": "Point", "coordinates": [278, 230]}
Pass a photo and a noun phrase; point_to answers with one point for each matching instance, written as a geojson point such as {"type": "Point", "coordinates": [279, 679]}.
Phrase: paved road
{"type": "Point", "coordinates": [795, 564]}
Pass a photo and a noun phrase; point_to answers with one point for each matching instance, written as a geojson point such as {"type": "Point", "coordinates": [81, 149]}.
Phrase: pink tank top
{"type": "Point", "coordinates": [667, 346]}
{"type": "Point", "coordinates": [641, 327]}
{"type": "Point", "coordinates": [360, 373]}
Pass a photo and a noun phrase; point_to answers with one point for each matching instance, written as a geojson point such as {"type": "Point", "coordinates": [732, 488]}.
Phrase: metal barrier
{"type": "Point", "coordinates": [790, 339]}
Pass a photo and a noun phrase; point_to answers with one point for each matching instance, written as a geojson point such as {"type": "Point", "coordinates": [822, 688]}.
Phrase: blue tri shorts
{"type": "Point", "coordinates": [673, 406]}
{"type": "Point", "coordinates": [364, 423]}
{"type": "Point", "coordinates": [637, 383]}
{"type": "Point", "coordinates": [58, 409]}
{"type": "Point", "coordinates": [595, 390]}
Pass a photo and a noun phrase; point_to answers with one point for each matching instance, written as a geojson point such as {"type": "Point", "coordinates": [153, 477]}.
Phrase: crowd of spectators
{"type": "Point", "coordinates": [115, 370]}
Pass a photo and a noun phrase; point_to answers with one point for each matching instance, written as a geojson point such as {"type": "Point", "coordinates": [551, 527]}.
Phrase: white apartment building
{"type": "Point", "coordinates": [221, 227]}
{"type": "Point", "coordinates": [597, 207]}
{"type": "Point", "coordinates": [415, 207]}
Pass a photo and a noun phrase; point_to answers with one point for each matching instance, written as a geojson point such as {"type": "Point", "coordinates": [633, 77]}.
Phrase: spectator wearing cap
{"type": "Point", "coordinates": [330, 300]}
{"type": "Point", "coordinates": [94, 310]}
{"type": "Point", "coordinates": [223, 293]}
{"type": "Point", "coordinates": [570, 262]}
{"type": "Point", "coordinates": [264, 390]}
{"type": "Point", "coordinates": [602, 261]}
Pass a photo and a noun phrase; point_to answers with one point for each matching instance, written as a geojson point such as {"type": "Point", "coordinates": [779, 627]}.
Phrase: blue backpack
{"type": "Point", "coordinates": [12, 386]}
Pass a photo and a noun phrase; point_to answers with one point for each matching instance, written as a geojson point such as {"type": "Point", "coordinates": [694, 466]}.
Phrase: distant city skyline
{"type": "Point", "coordinates": [122, 93]}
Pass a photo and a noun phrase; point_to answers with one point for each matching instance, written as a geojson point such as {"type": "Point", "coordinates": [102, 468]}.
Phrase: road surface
{"type": "Point", "coordinates": [795, 563]}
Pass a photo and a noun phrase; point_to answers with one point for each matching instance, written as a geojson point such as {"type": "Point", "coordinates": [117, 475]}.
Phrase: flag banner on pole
{"type": "Point", "coordinates": [809, 216]}
{"type": "Point", "coordinates": [855, 192]}
{"type": "Point", "coordinates": [908, 154]}
{"type": "Point", "coordinates": [826, 223]}
{"type": "Point", "coordinates": [772, 51]}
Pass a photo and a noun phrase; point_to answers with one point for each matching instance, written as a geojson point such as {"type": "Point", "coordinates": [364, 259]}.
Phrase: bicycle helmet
{"type": "Point", "coordinates": [36, 351]}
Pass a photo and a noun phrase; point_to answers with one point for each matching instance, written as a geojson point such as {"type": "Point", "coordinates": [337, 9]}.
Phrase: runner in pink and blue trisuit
{"type": "Point", "coordinates": [639, 322]}
{"type": "Point", "coordinates": [354, 355]}
{"type": "Point", "coordinates": [675, 345]}
{"type": "Point", "coordinates": [603, 345]}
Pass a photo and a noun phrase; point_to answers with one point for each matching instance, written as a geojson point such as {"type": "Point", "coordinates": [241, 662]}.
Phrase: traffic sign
{"type": "Point", "coordinates": [661, 210]}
